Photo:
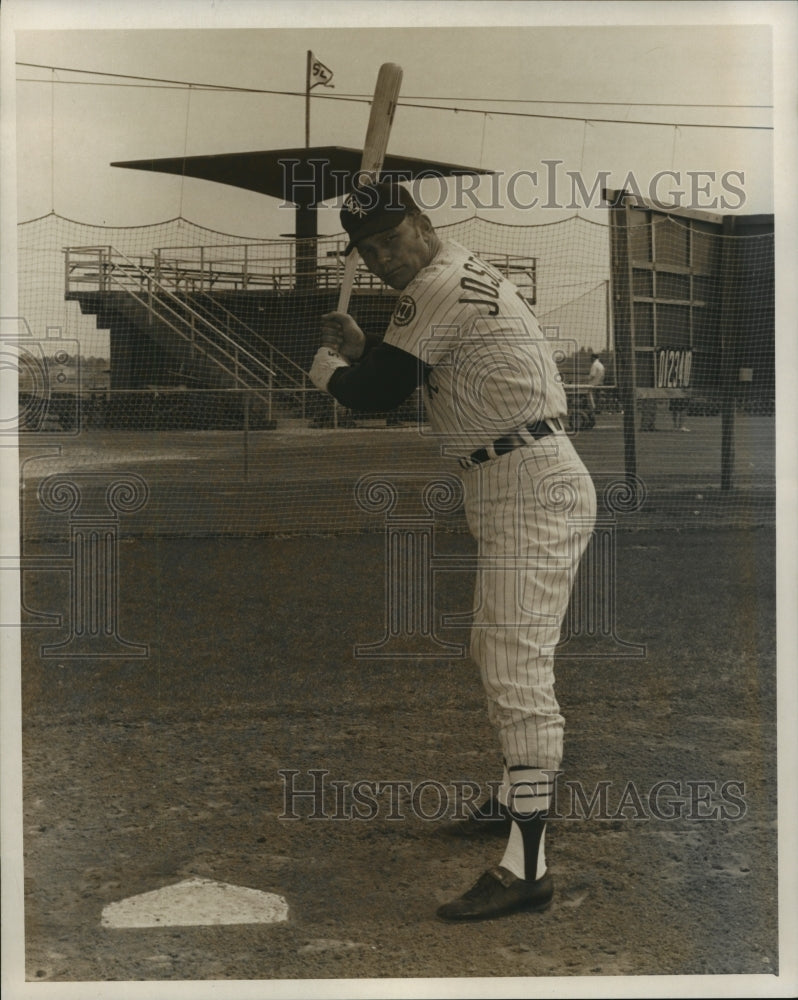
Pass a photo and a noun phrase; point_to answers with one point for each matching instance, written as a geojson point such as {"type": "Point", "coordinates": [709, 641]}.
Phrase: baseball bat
{"type": "Point", "coordinates": [383, 106]}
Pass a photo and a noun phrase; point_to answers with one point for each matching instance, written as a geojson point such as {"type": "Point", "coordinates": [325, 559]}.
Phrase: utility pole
{"type": "Point", "coordinates": [307, 99]}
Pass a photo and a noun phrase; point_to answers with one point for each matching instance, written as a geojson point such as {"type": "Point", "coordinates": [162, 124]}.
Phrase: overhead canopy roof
{"type": "Point", "coordinates": [299, 175]}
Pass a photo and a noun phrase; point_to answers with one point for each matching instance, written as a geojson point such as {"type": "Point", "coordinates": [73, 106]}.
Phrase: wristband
{"type": "Point", "coordinates": [324, 364]}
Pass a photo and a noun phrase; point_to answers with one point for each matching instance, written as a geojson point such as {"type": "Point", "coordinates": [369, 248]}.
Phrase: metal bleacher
{"type": "Point", "coordinates": [237, 267]}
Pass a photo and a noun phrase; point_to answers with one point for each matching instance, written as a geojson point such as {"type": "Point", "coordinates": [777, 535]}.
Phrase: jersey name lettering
{"type": "Point", "coordinates": [485, 284]}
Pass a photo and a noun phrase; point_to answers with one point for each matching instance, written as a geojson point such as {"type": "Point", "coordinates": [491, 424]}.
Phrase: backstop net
{"type": "Point", "coordinates": [179, 355]}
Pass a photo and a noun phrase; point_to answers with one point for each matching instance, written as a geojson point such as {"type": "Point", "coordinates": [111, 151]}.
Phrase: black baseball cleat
{"type": "Point", "coordinates": [498, 893]}
{"type": "Point", "coordinates": [489, 818]}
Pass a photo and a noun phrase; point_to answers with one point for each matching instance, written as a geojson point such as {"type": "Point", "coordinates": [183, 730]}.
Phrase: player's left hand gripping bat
{"type": "Point", "coordinates": [383, 106]}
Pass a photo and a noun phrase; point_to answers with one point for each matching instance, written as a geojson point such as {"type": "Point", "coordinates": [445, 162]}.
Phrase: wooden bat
{"type": "Point", "coordinates": [383, 106]}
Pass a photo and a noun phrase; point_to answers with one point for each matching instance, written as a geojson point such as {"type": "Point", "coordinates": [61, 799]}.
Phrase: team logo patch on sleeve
{"type": "Point", "coordinates": [405, 310]}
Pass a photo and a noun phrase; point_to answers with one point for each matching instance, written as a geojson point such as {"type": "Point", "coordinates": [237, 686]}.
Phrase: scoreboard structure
{"type": "Point", "coordinates": [692, 297]}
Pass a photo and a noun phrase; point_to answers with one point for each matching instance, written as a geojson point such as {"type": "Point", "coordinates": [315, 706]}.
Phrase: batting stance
{"type": "Point", "coordinates": [462, 331]}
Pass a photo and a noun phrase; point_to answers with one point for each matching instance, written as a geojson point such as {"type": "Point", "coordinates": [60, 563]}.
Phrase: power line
{"type": "Point", "coordinates": [413, 97]}
{"type": "Point", "coordinates": [158, 79]}
{"type": "Point", "coordinates": [407, 102]}
{"type": "Point", "coordinates": [573, 118]}
{"type": "Point", "coordinates": [94, 83]}
{"type": "Point", "coordinates": [539, 100]}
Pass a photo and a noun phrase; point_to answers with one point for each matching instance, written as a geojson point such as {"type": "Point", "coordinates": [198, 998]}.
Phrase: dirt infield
{"type": "Point", "coordinates": [139, 773]}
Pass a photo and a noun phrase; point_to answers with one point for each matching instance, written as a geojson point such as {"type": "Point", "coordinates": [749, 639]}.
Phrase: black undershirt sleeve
{"type": "Point", "coordinates": [383, 379]}
{"type": "Point", "coordinates": [371, 343]}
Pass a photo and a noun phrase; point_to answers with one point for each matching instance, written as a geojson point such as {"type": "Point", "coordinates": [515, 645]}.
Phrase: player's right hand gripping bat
{"type": "Point", "coordinates": [383, 106]}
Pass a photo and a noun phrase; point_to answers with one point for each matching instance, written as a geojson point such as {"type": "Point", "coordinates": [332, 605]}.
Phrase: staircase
{"type": "Point", "coordinates": [204, 342]}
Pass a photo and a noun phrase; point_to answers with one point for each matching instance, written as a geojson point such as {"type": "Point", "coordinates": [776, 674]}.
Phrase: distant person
{"type": "Point", "coordinates": [595, 378]}
{"type": "Point", "coordinates": [648, 414]}
{"type": "Point", "coordinates": [678, 408]}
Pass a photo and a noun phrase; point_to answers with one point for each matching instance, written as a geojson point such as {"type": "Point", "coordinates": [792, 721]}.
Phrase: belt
{"type": "Point", "coordinates": [511, 441]}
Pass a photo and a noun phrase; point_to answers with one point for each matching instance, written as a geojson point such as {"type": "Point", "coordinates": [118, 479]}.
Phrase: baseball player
{"type": "Point", "coordinates": [493, 394]}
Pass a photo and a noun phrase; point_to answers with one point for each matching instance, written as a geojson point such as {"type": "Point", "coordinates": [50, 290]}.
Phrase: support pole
{"type": "Point", "coordinates": [728, 346]}
{"type": "Point", "coordinates": [307, 100]}
{"type": "Point", "coordinates": [246, 434]}
{"type": "Point", "coordinates": [623, 324]}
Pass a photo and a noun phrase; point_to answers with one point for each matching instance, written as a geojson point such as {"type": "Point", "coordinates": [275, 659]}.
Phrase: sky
{"type": "Point", "coordinates": [540, 93]}
{"type": "Point", "coordinates": [70, 127]}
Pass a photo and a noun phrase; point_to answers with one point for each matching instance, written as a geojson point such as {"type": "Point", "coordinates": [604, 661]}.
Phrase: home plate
{"type": "Point", "coordinates": [197, 902]}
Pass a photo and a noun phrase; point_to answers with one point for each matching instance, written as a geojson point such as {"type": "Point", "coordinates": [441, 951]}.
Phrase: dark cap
{"type": "Point", "coordinates": [374, 208]}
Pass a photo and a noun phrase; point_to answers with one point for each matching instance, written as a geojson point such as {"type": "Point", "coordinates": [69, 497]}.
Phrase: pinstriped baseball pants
{"type": "Point", "coordinates": [532, 512]}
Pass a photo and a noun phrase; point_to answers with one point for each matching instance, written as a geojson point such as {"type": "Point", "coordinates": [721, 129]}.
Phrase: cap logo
{"type": "Point", "coordinates": [353, 205]}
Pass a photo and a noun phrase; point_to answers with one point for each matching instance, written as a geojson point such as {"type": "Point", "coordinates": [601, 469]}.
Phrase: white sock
{"type": "Point", "coordinates": [514, 859]}
{"type": "Point", "coordinates": [527, 791]}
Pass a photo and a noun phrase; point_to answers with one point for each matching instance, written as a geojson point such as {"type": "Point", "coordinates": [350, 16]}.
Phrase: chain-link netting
{"type": "Point", "coordinates": [181, 354]}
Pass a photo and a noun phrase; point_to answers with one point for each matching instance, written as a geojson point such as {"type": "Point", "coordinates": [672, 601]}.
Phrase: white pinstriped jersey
{"type": "Point", "coordinates": [492, 370]}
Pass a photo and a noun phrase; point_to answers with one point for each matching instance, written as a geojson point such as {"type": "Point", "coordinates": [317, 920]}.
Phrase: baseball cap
{"type": "Point", "coordinates": [372, 209]}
